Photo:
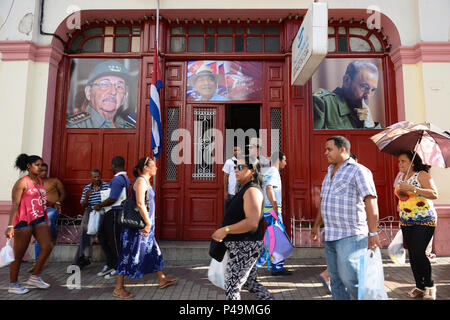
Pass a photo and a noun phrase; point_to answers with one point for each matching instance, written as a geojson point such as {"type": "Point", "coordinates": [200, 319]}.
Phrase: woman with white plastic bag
{"type": "Point", "coordinates": [27, 218]}
{"type": "Point", "coordinates": [6, 254]}
{"type": "Point", "coordinates": [371, 276]}
{"type": "Point", "coordinates": [241, 232]}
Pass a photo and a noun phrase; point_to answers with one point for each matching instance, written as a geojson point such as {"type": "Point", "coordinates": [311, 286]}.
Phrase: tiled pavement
{"type": "Point", "coordinates": [194, 285]}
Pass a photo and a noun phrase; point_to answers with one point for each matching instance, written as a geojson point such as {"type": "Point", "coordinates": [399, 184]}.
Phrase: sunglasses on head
{"type": "Point", "coordinates": [241, 166]}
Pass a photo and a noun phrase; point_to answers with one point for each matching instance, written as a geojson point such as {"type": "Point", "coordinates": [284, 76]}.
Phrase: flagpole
{"type": "Point", "coordinates": [157, 59]}
{"type": "Point", "coordinates": [157, 27]}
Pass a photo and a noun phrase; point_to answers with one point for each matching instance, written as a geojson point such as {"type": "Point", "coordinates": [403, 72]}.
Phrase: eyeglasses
{"type": "Point", "coordinates": [241, 166]}
{"type": "Point", "coordinates": [107, 85]}
{"type": "Point", "coordinates": [366, 88]}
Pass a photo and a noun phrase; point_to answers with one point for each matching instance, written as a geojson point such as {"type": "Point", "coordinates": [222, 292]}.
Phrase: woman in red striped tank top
{"type": "Point", "coordinates": [28, 218]}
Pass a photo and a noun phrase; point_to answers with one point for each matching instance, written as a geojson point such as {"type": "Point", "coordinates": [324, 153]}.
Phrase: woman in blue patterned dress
{"type": "Point", "coordinates": [139, 253]}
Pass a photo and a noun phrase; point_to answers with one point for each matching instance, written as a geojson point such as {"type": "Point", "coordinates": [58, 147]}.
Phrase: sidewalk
{"type": "Point", "coordinates": [193, 282]}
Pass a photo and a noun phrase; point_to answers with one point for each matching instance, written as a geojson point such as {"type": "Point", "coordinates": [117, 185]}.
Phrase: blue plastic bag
{"type": "Point", "coordinates": [371, 276]}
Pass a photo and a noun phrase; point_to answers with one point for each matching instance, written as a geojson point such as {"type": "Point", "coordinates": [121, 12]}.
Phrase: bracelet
{"type": "Point", "coordinates": [58, 203]}
{"type": "Point", "coordinates": [415, 191]}
{"type": "Point", "coordinates": [373, 234]}
{"type": "Point", "coordinates": [11, 226]}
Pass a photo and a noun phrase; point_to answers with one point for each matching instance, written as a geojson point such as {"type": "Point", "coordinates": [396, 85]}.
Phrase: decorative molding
{"type": "Point", "coordinates": [442, 209]}
{"type": "Point", "coordinates": [5, 207]}
{"type": "Point", "coordinates": [27, 50]}
{"type": "Point", "coordinates": [421, 52]}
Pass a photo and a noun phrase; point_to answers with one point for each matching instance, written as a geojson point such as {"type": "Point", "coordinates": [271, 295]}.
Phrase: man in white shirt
{"type": "Point", "coordinates": [229, 176]}
{"type": "Point", "coordinates": [254, 150]}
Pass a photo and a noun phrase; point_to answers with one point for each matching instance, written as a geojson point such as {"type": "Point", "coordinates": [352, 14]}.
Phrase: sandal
{"type": "Point", "coordinates": [415, 293]}
{"type": "Point", "coordinates": [123, 295]}
{"type": "Point", "coordinates": [170, 281]}
{"type": "Point", "coordinates": [430, 293]}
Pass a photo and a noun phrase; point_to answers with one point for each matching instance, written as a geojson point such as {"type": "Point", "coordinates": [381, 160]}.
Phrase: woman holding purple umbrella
{"type": "Point", "coordinates": [415, 192]}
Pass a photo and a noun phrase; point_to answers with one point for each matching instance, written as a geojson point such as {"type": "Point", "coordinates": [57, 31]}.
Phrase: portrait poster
{"type": "Point", "coordinates": [103, 93]}
{"type": "Point", "coordinates": [228, 81]}
{"type": "Point", "coordinates": [356, 103]}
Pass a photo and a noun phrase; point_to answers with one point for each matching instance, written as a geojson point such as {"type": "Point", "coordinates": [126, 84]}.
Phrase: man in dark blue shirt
{"type": "Point", "coordinates": [109, 233]}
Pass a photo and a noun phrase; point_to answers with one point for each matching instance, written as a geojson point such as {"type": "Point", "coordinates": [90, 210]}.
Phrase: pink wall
{"type": "Point", "coordinates": [441, 240]}
{"type": "Point", "coordinates": [5, 206]}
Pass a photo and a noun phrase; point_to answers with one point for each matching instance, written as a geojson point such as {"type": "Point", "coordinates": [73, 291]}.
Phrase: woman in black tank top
{"type": "Point", "coordinates": [241, 231]}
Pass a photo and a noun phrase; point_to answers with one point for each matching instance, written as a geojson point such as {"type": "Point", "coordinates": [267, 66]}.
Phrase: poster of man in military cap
{"type": "Point", "coordinates": [348, 94]}
{"type": "Point", "coordinates": [103, 93]}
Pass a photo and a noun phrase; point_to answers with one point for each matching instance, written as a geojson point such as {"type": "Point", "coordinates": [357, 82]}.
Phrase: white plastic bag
{"type": "Point", "coordinates": [371, 277]}
{"type": "Point", "coordinates": [94, 222]}
{"type": "Point", "coordinates": [396, 251]}
{"type": "Point", "coordinates": [216, 272]}
{"type": "Point", "coordinates": [104, 194]}
{"type": "Point", "coordinates": [6, 254]}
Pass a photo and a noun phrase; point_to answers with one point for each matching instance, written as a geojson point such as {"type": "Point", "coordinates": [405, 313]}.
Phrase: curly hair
{"type": "Point", "coordinates": [417, 165]}
{"type": "Point", "coordinates": [23, 160]}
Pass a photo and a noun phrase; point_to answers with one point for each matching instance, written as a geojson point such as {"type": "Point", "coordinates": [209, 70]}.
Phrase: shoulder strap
{"type": "Point", "coordinates": [126, 188]}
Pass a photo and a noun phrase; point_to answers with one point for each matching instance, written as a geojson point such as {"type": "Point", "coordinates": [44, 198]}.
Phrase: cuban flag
{"type": "Point", "coordinates": [155, 109]}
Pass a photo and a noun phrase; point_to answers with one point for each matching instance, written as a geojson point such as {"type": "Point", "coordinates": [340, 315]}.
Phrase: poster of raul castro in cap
{"type": "Point", "coordinates": [102, 93]}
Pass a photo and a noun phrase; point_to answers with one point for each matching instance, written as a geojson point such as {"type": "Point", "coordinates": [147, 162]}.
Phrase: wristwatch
{"type": "Point", "coordinates": [373, 234]}
{"type": "Point", "coordinates": [227, 229]}
{"type": "Point", "coordinates": [415, 191]}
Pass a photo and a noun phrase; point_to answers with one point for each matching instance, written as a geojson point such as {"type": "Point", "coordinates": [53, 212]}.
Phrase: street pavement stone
{"type": "Point", "coordinates": [193, 284]}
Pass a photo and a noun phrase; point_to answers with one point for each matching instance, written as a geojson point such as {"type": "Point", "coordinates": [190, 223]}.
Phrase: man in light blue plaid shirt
{"type": "Point", "coordinates": [349, 211]}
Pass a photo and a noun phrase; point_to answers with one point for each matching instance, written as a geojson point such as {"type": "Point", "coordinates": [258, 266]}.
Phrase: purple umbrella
{"type": "Point", "coordinates": [431, 143]}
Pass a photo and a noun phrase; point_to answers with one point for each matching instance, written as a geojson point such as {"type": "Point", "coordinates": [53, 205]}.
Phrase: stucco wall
{"type": "Point", "coordinates": [23, 87]}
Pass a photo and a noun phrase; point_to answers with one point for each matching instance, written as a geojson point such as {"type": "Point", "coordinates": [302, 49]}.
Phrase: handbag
{"type": "Point", "coordinates": [276, 242]}
{"type": "Point", "coordinates": [216, 271]}
{"type": "Point", "coordinates": [129, 217]}
{"type": "Point", "coordinates": [217, 250]}
{"type": "Point", "coordinates": [371, 276]}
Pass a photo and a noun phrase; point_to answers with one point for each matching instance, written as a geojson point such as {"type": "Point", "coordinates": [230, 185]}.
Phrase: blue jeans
{"type": "Point", "coordinates": [343, 265]}
{"type": "Point", "coordinates": [52, 214]}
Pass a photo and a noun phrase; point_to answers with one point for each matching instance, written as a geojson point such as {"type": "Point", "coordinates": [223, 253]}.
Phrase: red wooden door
{"type": "Point", "coordinates": [203, 205]}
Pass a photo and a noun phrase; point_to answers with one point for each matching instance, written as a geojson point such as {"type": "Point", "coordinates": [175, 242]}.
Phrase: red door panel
{"type": "Point", "coordinates": [203, 183]}
{"type": "Point", "coordinates": [118, 144]}
{"type": "Point", "coordinates": [81, 155]}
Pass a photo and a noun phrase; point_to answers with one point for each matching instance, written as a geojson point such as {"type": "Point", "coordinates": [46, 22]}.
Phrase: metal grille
{"type": "Point", "coordinates": [301, 232]}
{"type": "Point", "coordinates": [204, 122]}
{"type": "Point", "coordinates": [275, 126]}
{"type": "Point", "coordinates": [172, 125]}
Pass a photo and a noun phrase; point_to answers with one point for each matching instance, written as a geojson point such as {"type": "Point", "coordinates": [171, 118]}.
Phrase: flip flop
{"type": "Point", "coordinates": [124, 295]}
{"type": "Point", "coordinates": [168, 283]}
{"type": "Point", "coordinates": [325, 282]}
